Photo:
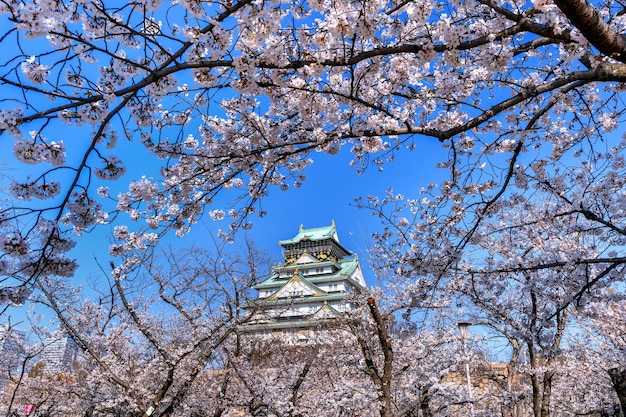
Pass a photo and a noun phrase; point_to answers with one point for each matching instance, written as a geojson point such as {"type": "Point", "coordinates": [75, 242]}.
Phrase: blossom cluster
{"type": "Point", "coordinates": [14, 295]}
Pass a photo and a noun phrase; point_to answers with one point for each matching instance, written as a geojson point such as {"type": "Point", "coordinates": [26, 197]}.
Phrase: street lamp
{"type": "Point", "coordinates": [464, 331]}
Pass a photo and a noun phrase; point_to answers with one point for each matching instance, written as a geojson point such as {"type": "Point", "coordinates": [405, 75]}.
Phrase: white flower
{"type": "Point", "coordinates": [609, 122]}
{"type": "Point", "coordinates": [217, 214]}
{"type": "Point", "coordinates": [35, 72]}
{"type": "Point", "coordinates": [28, 152]}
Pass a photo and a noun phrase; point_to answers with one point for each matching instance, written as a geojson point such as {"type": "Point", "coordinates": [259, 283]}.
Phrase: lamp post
{"type": "Point", "coordinates": [464, 331]}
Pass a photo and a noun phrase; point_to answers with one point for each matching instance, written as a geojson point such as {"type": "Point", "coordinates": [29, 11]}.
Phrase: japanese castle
{"type": "Point", "coordinates": [310, 289]}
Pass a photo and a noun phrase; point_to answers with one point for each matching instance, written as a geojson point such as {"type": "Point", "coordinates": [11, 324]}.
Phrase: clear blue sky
{"type": "Point", "coordinates": [326, 195]}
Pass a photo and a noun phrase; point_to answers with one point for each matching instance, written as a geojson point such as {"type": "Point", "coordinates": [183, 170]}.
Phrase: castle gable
{"type": "Point", "coordinates": [297, 287]}
{"type": "Point", "coordinates": [326, 312]}
{"type": "Point", "coordinates": [306, 259]}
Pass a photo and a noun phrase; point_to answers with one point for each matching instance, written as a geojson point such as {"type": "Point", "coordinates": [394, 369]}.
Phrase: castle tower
{"type": "Point", "coordinates": [310, 289]}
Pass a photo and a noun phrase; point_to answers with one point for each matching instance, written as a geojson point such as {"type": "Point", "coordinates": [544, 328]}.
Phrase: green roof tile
{"type": "Point", "coordinates": [316, 233]}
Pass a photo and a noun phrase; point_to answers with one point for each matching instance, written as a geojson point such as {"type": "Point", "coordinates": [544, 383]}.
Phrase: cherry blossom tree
{"type": "Point", "coordinates": [533, 268]}
{"type": "Point", "coordinates": [359, 365]}
{"type": "Point", "coordinates": [148, 338]}
{"type": "Point", "coordinates": [239, 95]}
{"type": "Point", "coordinates": [166, 340]}
{"type": "Point", "coordinates": [270, 376]}
{"type": "Point", "coordinates": [407, 368]}
{"type": "Point", "coordinates": [604, 325]}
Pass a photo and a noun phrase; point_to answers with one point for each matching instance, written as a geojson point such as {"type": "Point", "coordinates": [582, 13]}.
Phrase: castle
{"type": "Point", "coordinates": [310, 289]}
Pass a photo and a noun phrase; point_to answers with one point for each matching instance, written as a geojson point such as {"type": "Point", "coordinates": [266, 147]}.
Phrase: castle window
{"type": "Point", "coordinates": [296, 293]}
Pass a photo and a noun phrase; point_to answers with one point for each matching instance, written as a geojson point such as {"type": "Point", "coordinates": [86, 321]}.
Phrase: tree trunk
{"type": "Point", "coordinates": [511, 379]}
{"type": "Point", "coordinates": [618, 377]}
{"type": "Point", "coordinates": [536, 395]}
{"type": "Point", "coordinates": [382, 381]}
{"type": "Point", "coordinates": [425, 407]}
{"type": "Point", "coordinates": [534, 361]}
{"type": "Point", "coordinates": [547, 393]}
{"type": "Point", "coordinates": [588, 20]}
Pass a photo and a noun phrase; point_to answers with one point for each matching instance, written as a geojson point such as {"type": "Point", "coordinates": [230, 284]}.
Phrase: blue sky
{"type": "Point", "coordinates": [327, 195]}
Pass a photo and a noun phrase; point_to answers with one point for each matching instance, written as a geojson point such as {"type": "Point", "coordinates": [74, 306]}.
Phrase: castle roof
{"type": "Point", "coordinates": [316, 233]}
{"type": "Point", "coordinates": [343, 270]}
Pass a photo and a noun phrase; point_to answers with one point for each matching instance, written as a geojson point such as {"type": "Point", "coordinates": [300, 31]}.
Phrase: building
{"type": "Point", "coordinates": [58, 355]}
{"type": "Point", "coordinates": [311, 289]}
{"type": "Point", "coordinates": [11, 353]}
